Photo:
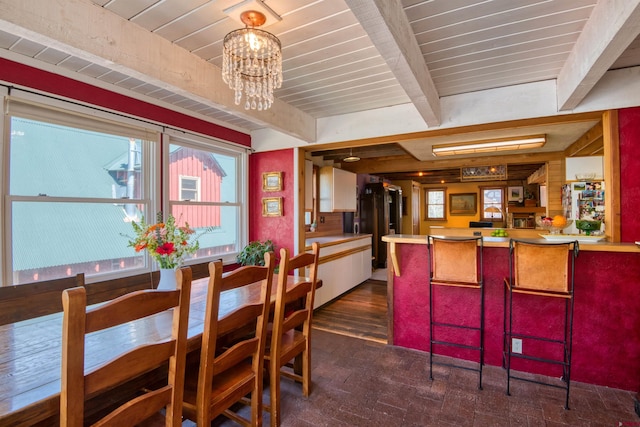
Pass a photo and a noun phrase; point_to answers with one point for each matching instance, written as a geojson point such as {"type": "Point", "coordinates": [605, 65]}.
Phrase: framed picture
{"type": "Point", "coordinates": [463, 204]}
{"type": "Point", "coordinates": [515, 194]}
{"type": "Point", "coordinates": [272, 206]}
{"type": "Point", "coordinates": [272, 181]}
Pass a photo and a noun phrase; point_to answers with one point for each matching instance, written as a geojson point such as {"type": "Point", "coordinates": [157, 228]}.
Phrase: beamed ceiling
{"type": "Point", "coordinates": [343, 57]}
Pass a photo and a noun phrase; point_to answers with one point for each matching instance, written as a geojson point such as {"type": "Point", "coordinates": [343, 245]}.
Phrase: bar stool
{"type": "Point", "coordinates": [456, 262]}
{"type": "Point", "coordinates": [543, 270]}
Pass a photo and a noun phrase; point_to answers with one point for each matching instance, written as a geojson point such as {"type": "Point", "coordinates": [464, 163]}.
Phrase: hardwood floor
{"type": "Point", "coordinates": [361, 313]}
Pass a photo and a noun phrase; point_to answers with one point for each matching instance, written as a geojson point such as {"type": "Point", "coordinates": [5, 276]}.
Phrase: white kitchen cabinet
{"type": "Point", "coordinates": [338, 190]}
{"type": "Point", "coordinates": [349, 265]}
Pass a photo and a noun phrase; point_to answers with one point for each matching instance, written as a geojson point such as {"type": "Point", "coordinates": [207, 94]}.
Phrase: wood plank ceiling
{"type": "Point", "coordinates": [340, 56]}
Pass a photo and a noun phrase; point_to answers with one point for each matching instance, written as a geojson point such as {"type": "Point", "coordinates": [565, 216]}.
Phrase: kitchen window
{"type": "Point", "coordinates": [435, 203]}
{"type": "Point", "coordinates": [492, 203]}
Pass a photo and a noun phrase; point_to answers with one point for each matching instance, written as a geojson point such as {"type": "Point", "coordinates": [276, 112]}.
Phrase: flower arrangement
{"type": "Point", "coordinates": [165, 242]}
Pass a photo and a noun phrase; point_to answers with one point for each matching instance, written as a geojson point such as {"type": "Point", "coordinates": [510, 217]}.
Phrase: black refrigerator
{"type": "Point", "coordinates": [380, 214]}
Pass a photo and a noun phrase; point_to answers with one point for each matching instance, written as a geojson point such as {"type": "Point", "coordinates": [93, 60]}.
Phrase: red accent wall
{"type": "Point", "coordinates": [606, 341]}
{"type": "Point", "coordinates": [629, 125]}
{"type": "Point", "coordinates": [277, 229]}
{"type": "Point", "coordinates": [30, 77]}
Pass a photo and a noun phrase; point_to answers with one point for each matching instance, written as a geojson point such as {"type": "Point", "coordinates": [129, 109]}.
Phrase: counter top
{"type": "Point", "coordinates": [503, 242]}
{"type": "Point", "coordinates": [499, 242]}
{"type": "Point", "coordinates": [334, 239]}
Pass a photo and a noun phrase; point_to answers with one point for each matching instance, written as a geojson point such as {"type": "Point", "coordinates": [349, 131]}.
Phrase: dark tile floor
{"type": "Point", "coordinates": [364, 383]}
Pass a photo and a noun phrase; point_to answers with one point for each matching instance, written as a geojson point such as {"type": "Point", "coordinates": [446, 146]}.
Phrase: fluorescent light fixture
{"type": "Point", "coordinates": [490, 145]}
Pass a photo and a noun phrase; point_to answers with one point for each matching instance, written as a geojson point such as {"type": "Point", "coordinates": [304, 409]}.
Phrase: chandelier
{"type": "Point", "coordinates": [252, 62]}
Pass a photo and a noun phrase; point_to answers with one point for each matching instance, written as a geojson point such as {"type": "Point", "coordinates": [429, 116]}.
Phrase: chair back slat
{"type": "Point", "coordinates": [127, 366]}
{"type": "Point", "coordinates": [127, 308]}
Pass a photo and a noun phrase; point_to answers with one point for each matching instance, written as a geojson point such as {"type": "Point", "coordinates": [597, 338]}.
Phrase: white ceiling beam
{"type": "Point", "coordinates": [390, 31]}
{"type": "Point", "coordinates": [83, 29]}
{"type": "Point", "coordinates": [613, 25]}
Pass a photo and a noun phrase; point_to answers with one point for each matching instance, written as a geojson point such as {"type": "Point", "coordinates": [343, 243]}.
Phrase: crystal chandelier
{"type": "Point", "coordinates": [252, 62]}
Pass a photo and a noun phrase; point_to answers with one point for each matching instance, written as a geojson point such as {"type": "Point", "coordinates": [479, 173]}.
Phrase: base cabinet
{"type": "Point", "coordinates": [345, 266]}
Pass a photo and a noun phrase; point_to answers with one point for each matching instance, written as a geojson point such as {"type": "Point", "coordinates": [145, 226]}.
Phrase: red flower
{"type": "Point", "coordinates": [165, 249]}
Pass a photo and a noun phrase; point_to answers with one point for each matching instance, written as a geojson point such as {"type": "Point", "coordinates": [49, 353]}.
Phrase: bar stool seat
{"type": "Point", "coordinates": [543, 270]}
{"type": "Point", "coordinates": [456, 262]}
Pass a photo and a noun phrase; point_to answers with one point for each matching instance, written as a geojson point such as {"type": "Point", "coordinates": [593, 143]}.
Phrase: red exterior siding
{"type": "Point", "coordinates": [182, 163]}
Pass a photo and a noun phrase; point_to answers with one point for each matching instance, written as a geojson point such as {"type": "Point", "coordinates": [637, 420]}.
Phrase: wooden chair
{"type": "Point", "coordinates": [79, 382]}
{"type": "Point", "coordinates": [291, 331]}
{"type": "Point", "coordinates": [224, 375]}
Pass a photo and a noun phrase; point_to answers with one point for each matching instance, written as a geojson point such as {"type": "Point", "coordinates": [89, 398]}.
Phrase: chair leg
{"type": "Point", "coordinates": [274, 392]}
{"type": "Point", "coordinates": [256, 404]}
{"type": "Point", "coordinates": [306, 373]}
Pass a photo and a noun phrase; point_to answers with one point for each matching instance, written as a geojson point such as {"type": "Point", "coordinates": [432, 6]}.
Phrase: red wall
{"type": "Point", "coordinates": [24, 75]}
{"type": "Point", "coordinates": [280, 230]}
{"type": "Point", "coordinates": [606, 341]}
{"type": "Point", "coordinates": [629, 120]}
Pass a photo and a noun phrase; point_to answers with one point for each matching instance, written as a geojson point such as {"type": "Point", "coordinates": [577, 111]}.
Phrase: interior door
{"type": "Point", "coordinates": [415, 209]}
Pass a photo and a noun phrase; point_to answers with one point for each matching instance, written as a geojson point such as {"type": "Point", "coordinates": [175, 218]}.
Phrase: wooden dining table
{"type": "Point", "coordinates": [30, 352]}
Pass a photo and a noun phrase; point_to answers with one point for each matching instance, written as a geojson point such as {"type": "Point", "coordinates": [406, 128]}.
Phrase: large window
{"type": "Point", "coordinates": [218, 174]}
{"type": "Point", "coordinates": [77, 178]}
{"type": "Point", "coordinates": [435, 203]}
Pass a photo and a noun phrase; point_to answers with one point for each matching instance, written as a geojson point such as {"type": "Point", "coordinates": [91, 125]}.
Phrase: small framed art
{"type": "Point", "coordinates": [272, 206]}
{"type": "Point", "coordinates": [272, 181]}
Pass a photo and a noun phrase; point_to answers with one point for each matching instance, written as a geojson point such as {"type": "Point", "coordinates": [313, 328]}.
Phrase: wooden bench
{"type": "Point", "coordinates": [30, 300]}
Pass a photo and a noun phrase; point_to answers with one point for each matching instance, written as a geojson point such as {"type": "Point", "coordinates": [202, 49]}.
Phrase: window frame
{"type": "Point", "coordinates": [36, 108]}
{"type": "Point", "coordinates": [502, 189]}
{"type": "Point", "coordinates": [154, 192]}
{"type": "Point", "coordinates": [197, 142]}
{"type": "Point", "coordinates": [427, 204]}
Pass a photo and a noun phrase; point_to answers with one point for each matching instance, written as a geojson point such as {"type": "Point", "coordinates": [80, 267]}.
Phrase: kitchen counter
{"type": "Point", "coordinates": [606, 313]}
{"type": "Point", "coordinates": [503, 242]}
{"type": "Point", "coordinates": [345, 262]}
{"type": "Point", "coordinates": [333, 239]}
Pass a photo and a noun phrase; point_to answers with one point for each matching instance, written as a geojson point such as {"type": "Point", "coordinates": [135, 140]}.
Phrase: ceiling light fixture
{"type": "Point", "coordinates": [351, 158]}
{"type": "Point", "coordinates": [515, 143]}
{"type": "Point", "coordinates": [252, 62]}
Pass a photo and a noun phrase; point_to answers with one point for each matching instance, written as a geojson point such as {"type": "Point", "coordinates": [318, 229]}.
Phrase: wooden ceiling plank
{"type": "Point", "coordinates": [613, 25]}
{"type": "Point", "coordinates": [589, 139]}
{"type": "Point", "coordinates": [106, 39]}
{"type": "Point", "coordinates": [407, 163]}
{"type": "Point", "coordinates": [388, 27]}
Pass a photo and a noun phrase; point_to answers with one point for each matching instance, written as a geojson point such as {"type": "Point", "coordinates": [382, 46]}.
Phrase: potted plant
{"type": "Point", "coordinates": [253, 253]}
